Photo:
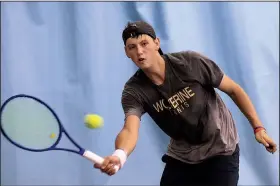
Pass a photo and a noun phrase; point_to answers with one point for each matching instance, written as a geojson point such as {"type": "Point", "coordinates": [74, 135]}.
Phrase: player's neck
{"type": "Point", "coordinates": [156, 73]}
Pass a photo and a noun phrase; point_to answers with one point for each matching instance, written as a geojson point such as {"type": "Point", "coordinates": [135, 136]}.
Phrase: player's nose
{"type": "Point", "coordinates": [139, 51]}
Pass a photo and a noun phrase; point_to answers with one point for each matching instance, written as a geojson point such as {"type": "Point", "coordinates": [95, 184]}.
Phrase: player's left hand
{"type": "Point", "coordinates": [262, 137]}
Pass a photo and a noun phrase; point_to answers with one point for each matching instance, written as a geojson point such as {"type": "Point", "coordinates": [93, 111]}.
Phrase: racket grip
{"type": "Point", "coordinates": [96, 159]}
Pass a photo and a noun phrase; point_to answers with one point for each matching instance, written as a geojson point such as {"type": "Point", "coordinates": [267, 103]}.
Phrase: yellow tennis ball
{"type": "Point", "coordinates": [93, 121]}
{"type": "Point", "coordinates": [52, 135]}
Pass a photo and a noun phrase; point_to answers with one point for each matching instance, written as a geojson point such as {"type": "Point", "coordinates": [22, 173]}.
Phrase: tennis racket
{"type": "Point", "coordinates": [30, 124]}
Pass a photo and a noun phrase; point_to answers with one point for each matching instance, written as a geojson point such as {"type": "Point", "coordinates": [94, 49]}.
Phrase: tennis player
{"type": "Point", "coordinates": [177, 90]}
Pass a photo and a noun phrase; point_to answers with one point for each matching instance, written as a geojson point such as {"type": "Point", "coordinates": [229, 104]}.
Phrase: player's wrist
{"type": "Point", "coordinates": [258, 128]}
{"type": "Point", "coordinates": [122, 155]}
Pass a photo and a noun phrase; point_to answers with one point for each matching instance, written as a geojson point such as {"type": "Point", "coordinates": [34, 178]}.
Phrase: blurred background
{"type": "Point", "coordinates": [71, 55]}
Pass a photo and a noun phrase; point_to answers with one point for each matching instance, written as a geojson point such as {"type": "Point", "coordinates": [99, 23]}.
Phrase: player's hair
{"type": "Point", "coordinates": [131, 24]}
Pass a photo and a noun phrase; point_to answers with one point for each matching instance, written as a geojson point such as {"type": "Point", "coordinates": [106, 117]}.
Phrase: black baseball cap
{"type": "Point", "coordinates": [137, 28]}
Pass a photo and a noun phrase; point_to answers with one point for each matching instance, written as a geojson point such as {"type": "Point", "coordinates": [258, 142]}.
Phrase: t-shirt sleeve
{"type": "Point", "coordinates": [208, 71]}
{"type": "Point", "coordinates": [131, 103]}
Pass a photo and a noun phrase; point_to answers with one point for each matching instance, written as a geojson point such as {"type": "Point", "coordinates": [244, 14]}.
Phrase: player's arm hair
{"type": "Point", "coordinates": [128, 136]}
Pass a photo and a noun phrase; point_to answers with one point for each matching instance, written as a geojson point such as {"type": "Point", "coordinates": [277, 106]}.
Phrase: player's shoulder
{"type": "Point", "coordinates": [186, 57]}
{"type": "Point", "coordinates": [178, 55]}
{"type": "Point", "coordinates": [135, 81]}
{"type": "Point", "coordinates": [180, 58]}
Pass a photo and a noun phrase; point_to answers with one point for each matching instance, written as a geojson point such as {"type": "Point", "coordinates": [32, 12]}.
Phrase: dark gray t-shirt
{"type": "Point", "coordinates": [186, 107]}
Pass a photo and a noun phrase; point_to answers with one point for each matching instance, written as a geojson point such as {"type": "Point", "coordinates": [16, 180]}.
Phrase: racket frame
{"type": "Point", "coordinates": [85, 153]}
{"type": "Point", "coordinates": [61, 128]}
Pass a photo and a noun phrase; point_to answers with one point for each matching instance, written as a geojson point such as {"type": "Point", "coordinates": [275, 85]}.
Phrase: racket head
{"type": "Point", "coordinates": [29, 123]}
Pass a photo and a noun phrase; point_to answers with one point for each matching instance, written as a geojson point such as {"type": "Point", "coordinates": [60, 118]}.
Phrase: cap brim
{"type": "Point", "coordinates": [160, 51]}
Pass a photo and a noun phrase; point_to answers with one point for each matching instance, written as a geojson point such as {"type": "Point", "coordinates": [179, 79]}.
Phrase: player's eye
{"type": "Point", "coordinates": [144, 43]}
{"type": "Point", "coordinates": [131, 47]}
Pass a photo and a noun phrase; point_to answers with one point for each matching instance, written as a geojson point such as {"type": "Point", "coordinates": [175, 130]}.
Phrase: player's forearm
{"type": "Point", "coordinates": [244, 103]}
{"type": "Point", "coordinates": [126, 140]}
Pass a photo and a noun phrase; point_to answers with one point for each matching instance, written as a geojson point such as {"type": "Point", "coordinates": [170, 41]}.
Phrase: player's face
{"type": "Point", "coordinates": [142, 50]}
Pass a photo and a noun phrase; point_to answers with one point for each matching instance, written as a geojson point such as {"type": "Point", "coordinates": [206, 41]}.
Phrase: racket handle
{"type": "Point", "coordinates": [96, 159]}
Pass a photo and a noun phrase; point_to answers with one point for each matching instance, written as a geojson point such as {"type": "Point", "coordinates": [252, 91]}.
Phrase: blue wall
{"type": "Point", "coordinates": [71, 55]}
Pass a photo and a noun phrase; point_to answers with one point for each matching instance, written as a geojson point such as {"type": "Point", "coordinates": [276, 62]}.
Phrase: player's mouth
{"type": "Point", "coordinates": [141, 60]}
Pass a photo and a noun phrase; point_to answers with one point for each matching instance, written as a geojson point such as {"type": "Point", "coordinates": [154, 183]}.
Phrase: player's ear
{"type": "Point", "coordinates": [126, 52]}
{"type": "Point", "coordinates": [157, 42]}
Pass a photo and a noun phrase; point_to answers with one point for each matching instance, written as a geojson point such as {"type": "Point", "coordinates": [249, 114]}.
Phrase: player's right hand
{"type": "Point", "coordinates": [262, 137]}
{"type": "Point", "coordinates": [108, 165]}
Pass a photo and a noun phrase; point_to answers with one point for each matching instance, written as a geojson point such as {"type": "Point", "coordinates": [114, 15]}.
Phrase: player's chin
{"type": "Point", "coordinates": [143, 66]}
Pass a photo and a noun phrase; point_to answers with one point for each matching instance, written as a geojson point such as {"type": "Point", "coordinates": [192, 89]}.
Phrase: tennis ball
{"type": "Point", "coordinates": [52, 135]}
{"type": "Point", "coordinates": [93, 121]}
